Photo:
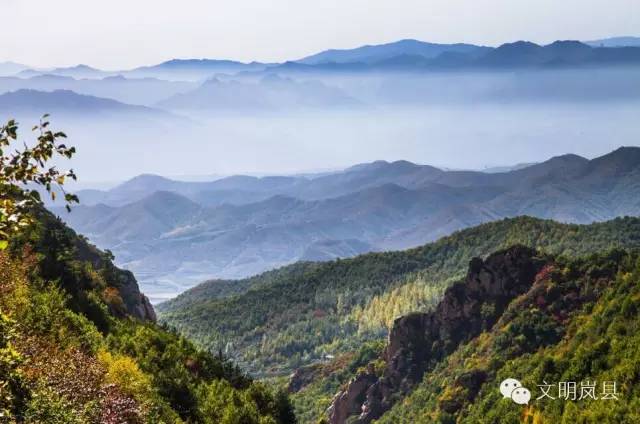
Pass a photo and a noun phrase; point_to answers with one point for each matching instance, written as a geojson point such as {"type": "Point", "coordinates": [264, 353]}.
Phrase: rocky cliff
{"type": "Point", "coordinates": [136, 303]}
{"type": "Point", "coordinates": [418, 341]}
{"type": "Point", "coordinates": [53, 240]}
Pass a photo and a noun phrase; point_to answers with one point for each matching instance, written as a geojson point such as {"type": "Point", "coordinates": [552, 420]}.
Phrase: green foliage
{"type": "Point", "coordinates": [82, 357]}
{"type": "Point", "coordinates": [48, 406]}
{"type": "Point", "coordinates": [580, 330]}
{"type": "Point", "coordinates": [220, 403]}
{"type": "Point", "coordinates": [379, 313]}
{"type": "Point", "coordinates": [13, 392]}
{"type": "Point", "coordinates": [88, 361]}
{"type": "Point", "coordinates": [313, 400]}
{"type": "Point", "coordinates": [296, 315]}
{"type": "Point", "coordinates": [28, 167]}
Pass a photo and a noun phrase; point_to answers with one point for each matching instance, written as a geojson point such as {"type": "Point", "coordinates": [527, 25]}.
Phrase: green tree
{"type": "Point", "coordinates": [24, 170]}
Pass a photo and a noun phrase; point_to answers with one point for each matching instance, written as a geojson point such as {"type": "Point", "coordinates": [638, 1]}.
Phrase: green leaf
{"type": "Point", "coordinates": [3, 244]}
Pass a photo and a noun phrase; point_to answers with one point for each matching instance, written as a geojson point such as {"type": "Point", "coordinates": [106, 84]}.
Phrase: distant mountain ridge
{"type": "Point", "coordinates": [78, 71]}
{"type": "Point", "coordinates": [425, 56]}
{"type": "Point", "coordinates": [408, 54]}
{"type": "Point", "coordinates": [239, 226]}
{"type": "Point", "coordinates": [270, 93]}
{"type": "Point", "coordinates": [11, 68]}
{"type": "Point", "coordinates": [137, 91]}
{"type": "Point", "coordinates": [37, 103]}
{"type": "Point", "coordinates": [193, 69]}
{"type": "Point", "coordinates": [371, 54]}
{"type": "Point", "coordinates": [615, 42]}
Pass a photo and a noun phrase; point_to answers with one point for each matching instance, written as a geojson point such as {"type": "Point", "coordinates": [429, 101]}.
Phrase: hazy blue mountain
{"type": "Point", "coordinates": [132, 190]}
{"type": "Point", "coordinates": [167, 237]}
{"type": "Point", "coordinates": [155, 215]}
{"type": "Point", "coordinates": [558, 54]}
{"type": "Point", "coordinates": [239, 226]}
{"type": "Point", "coordinates": [615, 42]}
{"type": "Point", "coordinates": [11, 68]}
{"type": "Point", "coordinates": [35, 103]}
{"type": "Point", "coordinates": [399, 55]}
{"type": "Point", "coordinates": [78, 71]}
{"type": "Point", "coordinates": [360, 177]}
{"type": "Point", "coordinates": [377, 53]}
{"type": "Point", "coordinates": [140, 91]}
{"type": "Point", "coordinates": [175, 69]}
{"type": "Point", "coordinates": [193, 69]}
{"type": "Point", "coordinates": [269, 93]}
{"type": "Point", "coordinates": [520, 54]}
{"type": "Point", "coordinates": [497, 169]}
{"type": "Point", "coordinates": [238, 189]}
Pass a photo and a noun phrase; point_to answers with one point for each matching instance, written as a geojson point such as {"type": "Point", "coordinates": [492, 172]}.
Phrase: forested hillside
{"type": "Point", "coordinates": [78, 344]}
{"type": "Point", "coordinates": [295, 316]}
{"type": "Point", "coordinates": [576, 326]}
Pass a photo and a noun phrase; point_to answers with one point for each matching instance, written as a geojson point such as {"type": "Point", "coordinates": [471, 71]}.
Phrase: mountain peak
{"type": "Point", "coordinates": [144, 182]}
{"type": "Point", "coordinates": [382, 164]}
{"type": "Point", "coordinates": [621, 161]}
{"type": "Point", "coordinates": [566, 165]}
{"type": "Point", "coordinates": [520, 44]}
{"type": "Point", "coordinates": [568, 157]}
{"type": "Point", "coordinates": [568, 43]}
{"type": "Point", "coordinates": [81, 67]}
{"type": "Point", "coordinates": [370, 54]}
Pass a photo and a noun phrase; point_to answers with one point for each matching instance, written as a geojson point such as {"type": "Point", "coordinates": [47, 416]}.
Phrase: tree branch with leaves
{"type": "Point", "coordinates": [25, 170]}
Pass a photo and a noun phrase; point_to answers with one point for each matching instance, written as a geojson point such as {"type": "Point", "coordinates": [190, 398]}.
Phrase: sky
{"type": "Point", "coordinates": [121, 34]}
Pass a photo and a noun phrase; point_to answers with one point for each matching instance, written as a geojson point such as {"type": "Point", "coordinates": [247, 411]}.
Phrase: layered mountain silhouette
{"type": "Point", "coordinates": [138, 91]}
{"type": "Point", "coordinates": [11, 68]}
{"type": "Point", "coordinates": [374, 54]}
{"type": "Point", "coordinates": [400, 55]}
{"type": "Point", "coordinates": [193, 69]}
{"type": "Point", "coordinates": [37, 103]}
{"type": "Point", "coordinates": [239, 226]}
{"type": "Point", "coordinates": [366, 76]}
{"type": "Point", "coordinates": [415, 55]}
{"type": "Point", "coordinates": [78, 71]}
{"type": "Point", "coordinates": [615, 42]}
{"type": "Point", "coordinates": [270, 93]}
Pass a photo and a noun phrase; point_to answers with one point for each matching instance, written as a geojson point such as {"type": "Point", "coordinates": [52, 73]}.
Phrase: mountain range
{"type": "Point", "coordinates": [239, 226]}
{"type": "Point", "coordinates": [385, 292]}
{"type": "Point", "coordinates": [404, 54]}
{"type": "Point", "coordinates": [77, 72]}
{"type": "Point", "coordinates": [373, 54]}
{"type": "Point", "coordinates": [193, 69]}
{"type": "Point", "coordinates": [615, 42]}
{"type": "Point", "coordinates": [138, 91]}
{"type": "Point", "coordinates": [11, 68]}
{"type": "Point", "coordinates": [347, 79]}
{"type": "Point", "coordinates": [33, 103]}
{"type": "Point", "coordinates": [271, 92]}
{"type": "Point", "coordinates": [416, 55]}
{"type": "Point", "coordinates": [382, 333]}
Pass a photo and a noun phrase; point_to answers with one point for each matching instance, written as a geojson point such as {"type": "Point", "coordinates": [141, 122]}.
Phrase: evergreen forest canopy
{"type": "Point", "coordinates": [327, 322]}
{"type": "Point", "coordinates": [296, 315]}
